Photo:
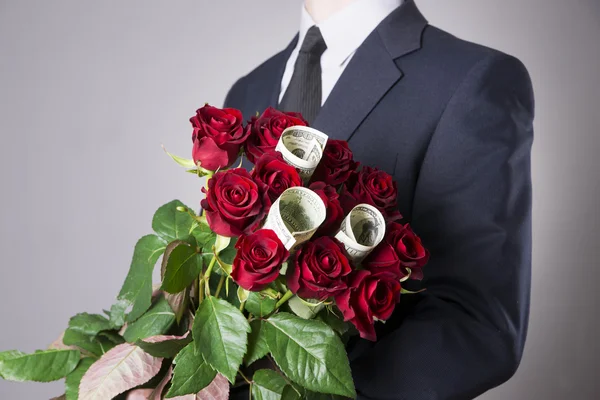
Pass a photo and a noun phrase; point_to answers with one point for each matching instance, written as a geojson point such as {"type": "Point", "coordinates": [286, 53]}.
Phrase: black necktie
{"type": "Point", "coordinates": [304, 94]}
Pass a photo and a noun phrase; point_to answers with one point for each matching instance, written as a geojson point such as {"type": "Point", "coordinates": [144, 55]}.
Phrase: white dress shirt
{"type": "Point", "coordinates": [343, 33]}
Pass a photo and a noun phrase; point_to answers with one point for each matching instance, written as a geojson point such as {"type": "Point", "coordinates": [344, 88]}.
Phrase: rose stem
{"type": "Point", "coordinates": [200, 289]}
{"type": "Point", "coordinates": [288, 295]}
{"type": "Point", "coordinates": [221, 281]}
{"type": "Point", "coordinates": [201, 277]}
{"type": "Point", "coordinates": [245, 378]}
{"type": "Point", "coordinates": [207, 274]}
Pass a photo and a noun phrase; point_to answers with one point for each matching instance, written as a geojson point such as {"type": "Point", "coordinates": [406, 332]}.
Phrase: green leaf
{"type": "Point", "coordinates": [179, 303]}
{"type": "Point", "coordinates": [10, 354]}
{"type": "Point", "coordinates": [93, 345]}
{"type": "Point", "coordinates": [221, 243]}
{"type": "Point", "coordinates": [137, 289]}
{"type": "Point", "coordinates": [156, 321]}
{"type": "Point", "coordinates": [334, 321]}
{"type": "Point", "coordinates": [172, 224]}
{"type": "Point", "coordinates": [242, 294]}
{"type": "Point", "coordinates": [41, 366]}
{"type": "Point", "coordinates": [228, 253]}
{"type": "Point", "coordinates": [225, 255]}
{"type": "Point", "coordinates": [310, 353]}
{"type": "Point", "coordinates": [182, 268]}
{"type": "Point", "coordinates": [223, 267]}
{"type": "Point", "coordinates": [74, 378]}
{"type": "Point", "coordinates": [112, 336]}
{"type": "Point", "coordinates": [221, 335]}
{"type": "Point", "coordinates": [268, 385]}
{"type": "Point", "coordinates": [191, 373]}
{"type": "Point", "coordinates": [257, 343]}
{"type": "Point", "coordinates": [291, 393]}
{"type": "Point", "coordinates": [304, 308]}
{"type": "Point", "coordinates": [89, 324]}
{"type": "Point", "coordinates": [205, 237]}
{"type": "Point", "coordinates": [260, 305]}
{"type": "Point", "coordinates": [117, 313]}
{"type": "Point", "coordinates": [166, 348]}
{"type": "Point", "coordinates": [184, 162]}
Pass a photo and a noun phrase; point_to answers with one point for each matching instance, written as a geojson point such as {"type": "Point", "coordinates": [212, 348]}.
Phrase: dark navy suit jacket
{"type": "Point", "coordinates": [452, 122]}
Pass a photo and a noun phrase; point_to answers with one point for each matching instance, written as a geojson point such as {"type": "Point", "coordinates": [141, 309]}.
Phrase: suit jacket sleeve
{"type": "Point", "coordinates": [472, 208]}
{"type": "Point", "coordinates": [236, 96]}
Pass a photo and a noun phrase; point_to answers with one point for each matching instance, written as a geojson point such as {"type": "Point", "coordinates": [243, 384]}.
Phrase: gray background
{"type": "Point", "coordinates": [89, 91]}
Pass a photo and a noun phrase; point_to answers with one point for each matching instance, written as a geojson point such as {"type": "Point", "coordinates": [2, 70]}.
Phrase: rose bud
{"type": "Point", "coordinates": [335, 214]}
{"type": "Point", "coordinates": [277, 175]}
{"type": "Point", "coordinates": [264, 131]}
{"type": "Point", "coordinates": [258, 259]}
{"type": "Point", "coordinates": [336, 165]}
{"type": "Point", "coordinates": [218, 136]}
{"type": "Point", "coordinates": [234, 203]}
{"type": "Point", "coordinates": [369, 298]}
{"type": "Point", "coordinates": [409, 249]}
{"type": "Point", "coordinates": [319, 269]}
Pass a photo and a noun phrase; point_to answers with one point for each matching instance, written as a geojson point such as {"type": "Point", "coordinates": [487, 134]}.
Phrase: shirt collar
{"type": "Point", "coordinates": [345, 31]}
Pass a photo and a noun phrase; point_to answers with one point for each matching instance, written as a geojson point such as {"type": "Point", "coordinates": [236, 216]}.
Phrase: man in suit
{"type": "Point", "coordinates": [452, 122]}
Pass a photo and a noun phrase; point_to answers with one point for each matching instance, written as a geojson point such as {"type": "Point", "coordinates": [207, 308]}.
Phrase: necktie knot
{"type": "Point", "coordinates": [313, 42]}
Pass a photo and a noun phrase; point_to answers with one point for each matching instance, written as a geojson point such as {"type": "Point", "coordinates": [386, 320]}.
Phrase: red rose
{"type": "Point", "coordinates": [369, 297]}
{"type": "Point", "coordinates": [275, 174]}
{"type": "Point", "coordinates": [374, 187]}
{"type": "Point", "coordinates": [337, 163]}
{"type": "Point", "coordinates": [335, 214]}
{"type": "Point", "coordinates": [265, 131]}
{"type": "Point", "coordinates": [258, 259]}
{"type": "Point", "coordinates": [319, 269]}
{"type": "Point", "coordinates": [218, 136]}
{"type": "Point", "coordinates": [234, 203]}
{"type": "Point", "coordinates": [410, 250]}
{"type": "Point", "coordinates": [401, 249]}
{"type": "Point", "coordinates": [384, 260]}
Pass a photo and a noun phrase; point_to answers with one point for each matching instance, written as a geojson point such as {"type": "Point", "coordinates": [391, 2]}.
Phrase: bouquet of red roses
{"type": "Point", "coordinates": [283, 264]}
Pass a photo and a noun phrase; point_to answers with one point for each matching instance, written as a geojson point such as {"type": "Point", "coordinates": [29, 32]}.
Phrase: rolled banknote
{"type": "Point", "coordinates": [361, 231]}
{"type": "Point", "coordinates": [302, 147]}
{"type": "Point", "coordinates": [295, 216]}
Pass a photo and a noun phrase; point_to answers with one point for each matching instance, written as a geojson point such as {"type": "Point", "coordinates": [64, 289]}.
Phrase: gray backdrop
{"type": "Point", "coordinates": [89, 91]}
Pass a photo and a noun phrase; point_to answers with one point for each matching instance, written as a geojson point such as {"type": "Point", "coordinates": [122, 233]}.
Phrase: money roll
{"type": "Point", "coordinates": [302, 147]}
{"type": "Point", "coordinates": [295, 216]}
{"type": "Point", "coordinates": [361, 231]}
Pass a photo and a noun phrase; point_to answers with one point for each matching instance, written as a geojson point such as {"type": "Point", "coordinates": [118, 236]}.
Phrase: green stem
{"type": "Point", "coordinates": [207, 274]}
{"type": "Point", "coordinates": [288, 295]}
{"type": "Point", "coordinates": [242, 304]}
{"type": "Point", "coordinates": [210, 267]}
{"type": "Point", "coordinates": [200, 289]}
{"type": "Point", "coordinates": [245, 377]}
{"type": "Point", "coordinates": [221, 281]}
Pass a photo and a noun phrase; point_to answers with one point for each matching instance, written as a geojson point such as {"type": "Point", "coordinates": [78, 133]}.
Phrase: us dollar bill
{"type": "Point", "coordinates": [361, 231]}
{"type": "Point", "coordinates": [302, 147]}
{"type": "Point", "coordinates": [295, 216]}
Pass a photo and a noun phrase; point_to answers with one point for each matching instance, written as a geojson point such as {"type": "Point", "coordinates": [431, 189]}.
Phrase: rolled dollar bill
{"type": "Point", "coordinates": [302, 147]}
{"type": "Point", "coordinates": [361, 231]}
{"type": "Point", "coordinates": [295, 216]}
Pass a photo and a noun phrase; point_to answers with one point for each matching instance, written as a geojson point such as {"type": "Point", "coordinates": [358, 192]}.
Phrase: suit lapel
{"type": "Point", "coordinates": [371, 73]}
